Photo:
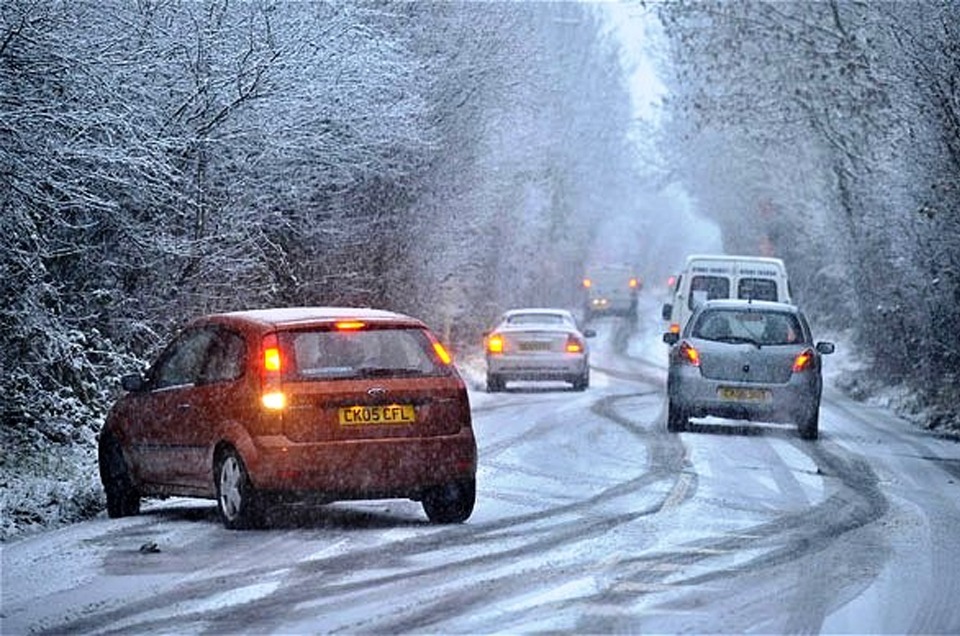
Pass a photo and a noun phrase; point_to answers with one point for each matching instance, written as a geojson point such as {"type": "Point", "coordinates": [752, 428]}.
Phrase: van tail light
{"type": "Point", "coordinates": [574, 345]}
{"type": "Point", "coordinates": [495, 343]}
{"type": "Point", "coordinates": [805, 360]}
{"type": "Point", "coordinates": [688, 354]}
{"type": "Point", "coordinates": [272, 396]}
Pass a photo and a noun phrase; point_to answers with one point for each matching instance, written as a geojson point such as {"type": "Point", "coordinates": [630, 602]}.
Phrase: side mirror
{"type": "Point", "coordinates": [667, 312]}
{"type": "Point", "coordinates": [826, 348]}
{"type": "Point", "coordinates": [671, 338]}
{"type": "Point", "coordinates": [134, 383]}
{"type": "Point", "coordinates": [589, 333]}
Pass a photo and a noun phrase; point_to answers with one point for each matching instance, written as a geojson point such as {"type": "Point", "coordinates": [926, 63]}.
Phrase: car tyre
{"type": "Point", "coordinates": [676, 418]}
{"type": "Point", "coordinates": [237, 501]}
{"type": "Point", "coordinates": [450, 503]}
{"type": "Point", "coordinates": [495, 383]}
{"type": "Point", "coordinates": [580, 383]}
{"type": "Point", "coordinates": [809, 424]}
{"type": "Point", "coordinates": [123, 498]}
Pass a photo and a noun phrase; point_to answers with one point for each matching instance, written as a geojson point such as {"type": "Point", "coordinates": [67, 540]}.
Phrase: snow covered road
{"type": "Point", "coordinates": [590, 518]}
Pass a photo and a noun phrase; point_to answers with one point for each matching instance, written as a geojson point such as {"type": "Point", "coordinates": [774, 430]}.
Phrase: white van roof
{"type": "Point", "coordinates": [728, 264]}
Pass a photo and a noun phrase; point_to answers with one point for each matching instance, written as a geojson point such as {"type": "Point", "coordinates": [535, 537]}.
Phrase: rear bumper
{"type": "Point", "coordinates": [358, 469]}
{"type": "Point", "coordinates": [699, 397]}
{"type": "Point", "coordinates": [552, 366]}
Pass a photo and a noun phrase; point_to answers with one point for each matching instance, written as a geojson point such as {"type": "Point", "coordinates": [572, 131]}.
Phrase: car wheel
{"type": "Point", "coordinates": [237, 500]}
{"type": "Point", "coordinates": [450, 503]}
{"type": "Point", "coordinates": [494, 383]}
{"type": "Point", "coordinates": [676, 418]}
{"type": "Point", "coordinates": [123, 498]}
{"type": "Point", "coordinates": [809, 424]}
{"type": "Point", "coordinates": [580, 383]}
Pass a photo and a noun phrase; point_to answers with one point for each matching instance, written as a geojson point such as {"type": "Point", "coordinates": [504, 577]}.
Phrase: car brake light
{"type": "Point", "coordinates": [688, 354]}
{"type": "Point", "coordinates": [271, 359]}
{"type": "Point", "coordinates": [442, 353]}
{"type": "Point", "coordinates": [587, 282]}
{"type": "Point", "coordinates": [574, 345]}
{"type": "Point", "coordinates": [349, 325]}
{"type": "Point", "coordinates": [803, 361]}
{"type": "Point", "coordinates": [272, 397]}
{"type": "Point", "coordinates": [495, 343]}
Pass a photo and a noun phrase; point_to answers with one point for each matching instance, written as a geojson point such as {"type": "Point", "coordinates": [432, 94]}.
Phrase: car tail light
{"type": "Point", "coordinates": [804, 360]}
{"type": "Point", "coordinates": [587, 283]}
{"type": "Point", "coordinates": [675, 328]}
{"type": "Point", "coordinates": [688, 354]}
{"type": "Point", "coordinates": [574, 345]}
{"type": "Point", "coordinates": [495, 343]}
{"type": "Point", "coordinates": [272, 397]}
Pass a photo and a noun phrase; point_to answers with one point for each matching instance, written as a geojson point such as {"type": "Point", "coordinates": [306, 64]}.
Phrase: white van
{"type": "Point", "coordinates": [709, 276]}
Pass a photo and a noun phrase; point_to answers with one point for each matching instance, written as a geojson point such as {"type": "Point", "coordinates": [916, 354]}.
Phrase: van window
{"type": "Point", "coordinates": [757, 289]}
{"type": "Point", "coordinates": [707, 288]}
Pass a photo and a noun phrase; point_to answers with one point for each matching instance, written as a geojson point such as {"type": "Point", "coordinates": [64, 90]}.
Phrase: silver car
{"type": "Point", "coordinates": [537, 344]}
{"type": "Point", "coordinates": [746, 360]}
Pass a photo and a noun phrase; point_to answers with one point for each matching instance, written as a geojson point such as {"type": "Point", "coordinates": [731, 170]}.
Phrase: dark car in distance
{"type": "Point", "coordinates": [261, 407]}
{"type": "Point", "coordinates": [746, 360]}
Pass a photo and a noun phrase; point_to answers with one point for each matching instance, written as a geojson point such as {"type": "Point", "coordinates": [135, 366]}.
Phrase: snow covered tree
{"type": "Point", "coordinates": [830, 128]}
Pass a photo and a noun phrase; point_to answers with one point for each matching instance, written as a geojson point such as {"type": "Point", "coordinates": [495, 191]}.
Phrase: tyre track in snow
{"type": "Point", "coordinates": [823, 529]}
{"type": "Point", "coordinates": [469, 576]}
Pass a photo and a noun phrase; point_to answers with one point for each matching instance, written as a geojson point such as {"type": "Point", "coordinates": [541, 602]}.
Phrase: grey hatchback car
{"type": "Point", "coordinates": [746, 360]}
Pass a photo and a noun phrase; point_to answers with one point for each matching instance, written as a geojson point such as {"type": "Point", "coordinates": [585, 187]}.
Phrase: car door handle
{"type": "Point", "coordinates": [185, 406]}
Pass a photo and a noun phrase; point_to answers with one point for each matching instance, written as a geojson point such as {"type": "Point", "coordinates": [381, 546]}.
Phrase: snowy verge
{"type": "Point", "coordinates": [45, 485]}
{"type": "Point", "coordinates": [848, 369]}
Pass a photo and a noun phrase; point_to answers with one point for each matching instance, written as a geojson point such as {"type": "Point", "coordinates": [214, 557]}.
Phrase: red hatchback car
{"type": "Point", "coordinates": [270, 406]}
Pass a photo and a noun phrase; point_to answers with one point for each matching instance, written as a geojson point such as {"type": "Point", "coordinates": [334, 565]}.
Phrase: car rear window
{"type": "Point", "coordinates": [370, 352]}
{"type": "Point", "coordinates": [537, 319]}
{"type": "Point", "coordinates": [764, 328]}
{"type": "Point", "coordinates": [757, 289]}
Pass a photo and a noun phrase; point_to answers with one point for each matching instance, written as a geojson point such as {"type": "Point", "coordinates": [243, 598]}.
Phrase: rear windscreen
{"type": "Point", "coordinates": [757, 289]}
{"type": "Point", "coordinates": [392, 352]}
{"type": "Point", "coordinates": [758, 327]}
{"type": "Point", "coordinates": [703, 288]}
{"type": "Point", "coordinates": [537, 319]}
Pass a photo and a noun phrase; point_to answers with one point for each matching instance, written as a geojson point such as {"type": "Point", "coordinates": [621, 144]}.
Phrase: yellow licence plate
{"type": "Point", "coordinates": [743, 395]}
{"type": "Point", "coordinates": [386, 414]}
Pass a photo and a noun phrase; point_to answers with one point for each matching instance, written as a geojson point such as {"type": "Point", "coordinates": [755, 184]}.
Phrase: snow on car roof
{"type": "Point", "coordinates": [292, 315]}
{"type": "Point", "coordinates": [737, 303]}
{"type": "Point", "coordinates": [537, 310]}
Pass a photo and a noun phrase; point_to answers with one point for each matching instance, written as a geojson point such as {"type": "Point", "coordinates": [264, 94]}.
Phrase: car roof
{"type": "Point", "coordinates": [280, 317]}
{"type": "Point", "coordinates": [741, 305]}
{"type": "Point", "coordinates": [537, 310]}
